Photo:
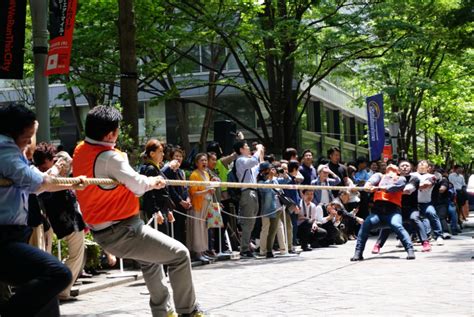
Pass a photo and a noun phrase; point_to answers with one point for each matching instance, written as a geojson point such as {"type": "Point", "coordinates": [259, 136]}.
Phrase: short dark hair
{"type": "Point", "coordinates": [102, 120]}
{"type": "Point", "coordinates": [177, 149]}
{"type": "Point", "coordinates": [215, 147]}
{"type": "Point", "coordinates": [361, 159]}
{"type": "Point", "coordinates": [306, 151]}
{"type": "Point", "coordinates": [270, 158]}
{"type": "Point", "coordinates": [323, 161]}
{"type": "Point", "coordinates": [44, 151]}
{"type": "Point", "coordinates": [288, 153]}
{"type": "Point", "coordinates": [403, 161]}
{"type": "Point", "coordinates": [14, 119]}
{"type": "Point", "coordinates": [293, 165]}
{"type": "Point", "coordinates": [238, 145]}
{"type": "Point", "coordinates": [333, 149]}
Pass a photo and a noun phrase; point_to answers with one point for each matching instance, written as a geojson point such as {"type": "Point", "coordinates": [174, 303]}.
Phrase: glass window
{"type": "Point", "coordinates": [347, 129]}
{"type": "Point", "coordinates": [187, 65]}
{"type": "Point", "coordinates": [239, 107]}
{"type": "Point", "coordinates": [236, 105]}
{"type": "Point", "coordinates": [231, 62]}
{"type": "Point", "coordinates": [207, 54]}
{"type": "Point", "coordinates": [362, 134]}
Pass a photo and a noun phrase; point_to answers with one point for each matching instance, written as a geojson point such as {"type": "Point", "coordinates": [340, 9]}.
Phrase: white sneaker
{"type": "Point", "coordinates": [439, 241]}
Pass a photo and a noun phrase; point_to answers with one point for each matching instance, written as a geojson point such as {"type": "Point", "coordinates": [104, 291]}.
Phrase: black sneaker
{"type": "Point", "coordinates": [357, 256]}
{"type": "Point", "coordinates": [247, 255]}
{"type": "Point", "coordinates": [410, 254]}
{"type": "Point", "coordinates": [270, 254]}
{"type": "Point", "coordinates": [306, 248]}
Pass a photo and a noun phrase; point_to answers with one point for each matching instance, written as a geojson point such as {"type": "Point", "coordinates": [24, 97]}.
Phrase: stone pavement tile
{"type": "Point", "coordinates": [325, 278]}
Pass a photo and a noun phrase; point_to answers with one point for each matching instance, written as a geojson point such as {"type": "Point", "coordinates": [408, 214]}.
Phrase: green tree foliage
{"type": "Point", "coordinates": [427, 76]}
{"type": "Point", "coordinates": [285, 48]}
{"type": "Point", "coordinates": [95, 54]}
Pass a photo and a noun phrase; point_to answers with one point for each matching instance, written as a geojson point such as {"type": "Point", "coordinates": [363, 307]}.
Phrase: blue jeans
{"type": "Point", "coordinates": [38, 275]}
{"type": "Point", "coordinates": [419, 225]}
{"type": "Point", "coordinates": [428, 211]}
{"type": "Point", "coordinates": [445, 211]}
{"type": "Point", "coordinates": [453, 217]}
{"type": "Point", "coordinates": [392, 219]}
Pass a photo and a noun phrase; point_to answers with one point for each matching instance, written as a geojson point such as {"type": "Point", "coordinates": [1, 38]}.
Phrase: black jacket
{"type": "Point", "coordinates": [63, 212]}
{"type": "Point", "coordinates": [156, 199]}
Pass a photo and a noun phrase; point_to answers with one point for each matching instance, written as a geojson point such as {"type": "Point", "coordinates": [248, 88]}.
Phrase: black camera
{"type": "Point", "coordinates": [340, 212]}
{"type": "Point", "coordinates": [280, 170]}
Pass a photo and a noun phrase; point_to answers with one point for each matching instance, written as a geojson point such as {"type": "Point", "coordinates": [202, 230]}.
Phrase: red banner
{"type": "Point", "coordinates": [387, 153]}
{"type": "Point", "coordinates": [62, 16]}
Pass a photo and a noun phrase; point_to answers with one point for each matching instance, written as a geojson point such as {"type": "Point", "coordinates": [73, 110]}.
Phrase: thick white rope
{"type": "Point", "coordinates": [173, 182]}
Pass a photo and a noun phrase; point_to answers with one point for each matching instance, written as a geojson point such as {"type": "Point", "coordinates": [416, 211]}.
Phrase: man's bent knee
{"type": "Point", "coordinates": [183, 253]}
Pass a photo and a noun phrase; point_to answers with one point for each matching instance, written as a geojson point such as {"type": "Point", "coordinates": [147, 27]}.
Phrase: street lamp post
{"type": "Point", "coordinates": [39, 17]}
{"type": "Point", "coordinates": [394, 127]}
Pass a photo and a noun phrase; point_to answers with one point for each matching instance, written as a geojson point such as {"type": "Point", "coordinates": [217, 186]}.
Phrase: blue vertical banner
{"type": "Point", "coordinates": [376, 126]}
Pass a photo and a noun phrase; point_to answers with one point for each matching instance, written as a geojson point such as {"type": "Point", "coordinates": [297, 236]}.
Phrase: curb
{"type": "Point", "coordinates": [108, 282]}
{"type": "Point", "coordinates": [90, 285]}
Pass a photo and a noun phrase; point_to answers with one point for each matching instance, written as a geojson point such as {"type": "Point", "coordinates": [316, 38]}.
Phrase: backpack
{"type": "Point", "coordinates": [234, 193]}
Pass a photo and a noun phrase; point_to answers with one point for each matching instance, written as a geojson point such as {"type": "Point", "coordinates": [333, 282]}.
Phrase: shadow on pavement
{"type": "Point", "coordinates": [115, 313]}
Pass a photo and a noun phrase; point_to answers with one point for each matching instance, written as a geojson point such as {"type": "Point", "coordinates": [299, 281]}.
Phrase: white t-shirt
{"type": "Point", "coordinates": [457, 180]}
{"type": "Point", "coordinates": [324, 196]}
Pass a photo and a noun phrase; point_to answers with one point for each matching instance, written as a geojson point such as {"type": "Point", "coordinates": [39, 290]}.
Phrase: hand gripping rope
{"type": "Point", "coordinates": [172, 182]}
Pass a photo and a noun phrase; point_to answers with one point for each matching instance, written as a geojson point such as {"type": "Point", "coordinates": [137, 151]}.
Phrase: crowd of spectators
{"type": "Point", "coordinates": [420, 202]}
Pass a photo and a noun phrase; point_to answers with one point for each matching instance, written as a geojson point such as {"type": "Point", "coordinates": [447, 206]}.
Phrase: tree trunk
{"type": "Point", "coordinates": [91, 99]}
{"type": "Point", "coordinates": [110, 94]}
{"type": "Point", "coordinates": [211, 98]}
{"type": "Point", "coordinates": [183, 126]}
{"type": "Point", "coordinates": [427, 150]}
{"type": "Point", "coordinates": [128, 67]}
{"type": "Point", "coordinates": [74, 108]}
{"type": "Point", "coordinates": [411, 130]}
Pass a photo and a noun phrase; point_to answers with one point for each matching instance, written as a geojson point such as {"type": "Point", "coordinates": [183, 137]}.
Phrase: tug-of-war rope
{"type": "Point", "coordinates": [211, 184]}
{"type": "Point", "coordinates": [4, 182]}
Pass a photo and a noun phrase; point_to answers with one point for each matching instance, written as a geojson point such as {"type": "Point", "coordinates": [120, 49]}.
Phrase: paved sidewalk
{"type": "Point", "coordinates": [322, 282]}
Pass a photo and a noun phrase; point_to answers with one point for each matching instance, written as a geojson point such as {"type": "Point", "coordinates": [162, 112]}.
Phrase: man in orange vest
{"type": "Point", "coordinates": [112, 213]}
{"type": "Point", "coordinates": [386, 210]}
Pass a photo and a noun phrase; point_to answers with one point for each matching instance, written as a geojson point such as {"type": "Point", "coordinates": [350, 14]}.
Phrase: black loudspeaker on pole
{"type": "Point", "coordinates": [224, 133]}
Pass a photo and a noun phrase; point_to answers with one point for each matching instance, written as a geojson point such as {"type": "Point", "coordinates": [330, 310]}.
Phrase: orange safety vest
{"type": "Point", "coordinates": [100, 205]}
{"type": "Point", "coordinates": [394, 198]}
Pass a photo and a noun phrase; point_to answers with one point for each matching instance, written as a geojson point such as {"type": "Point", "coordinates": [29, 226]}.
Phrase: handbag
{"type": "Point", "coordinates": [214, 217]}
{"type": "Point", "coordinates": [286, 201]}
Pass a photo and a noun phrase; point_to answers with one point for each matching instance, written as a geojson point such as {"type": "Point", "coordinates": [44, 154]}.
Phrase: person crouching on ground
{"type": "Point", "coordinates": [309, 230]}
{"type": "Point", "coordinates": [386, 210]}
